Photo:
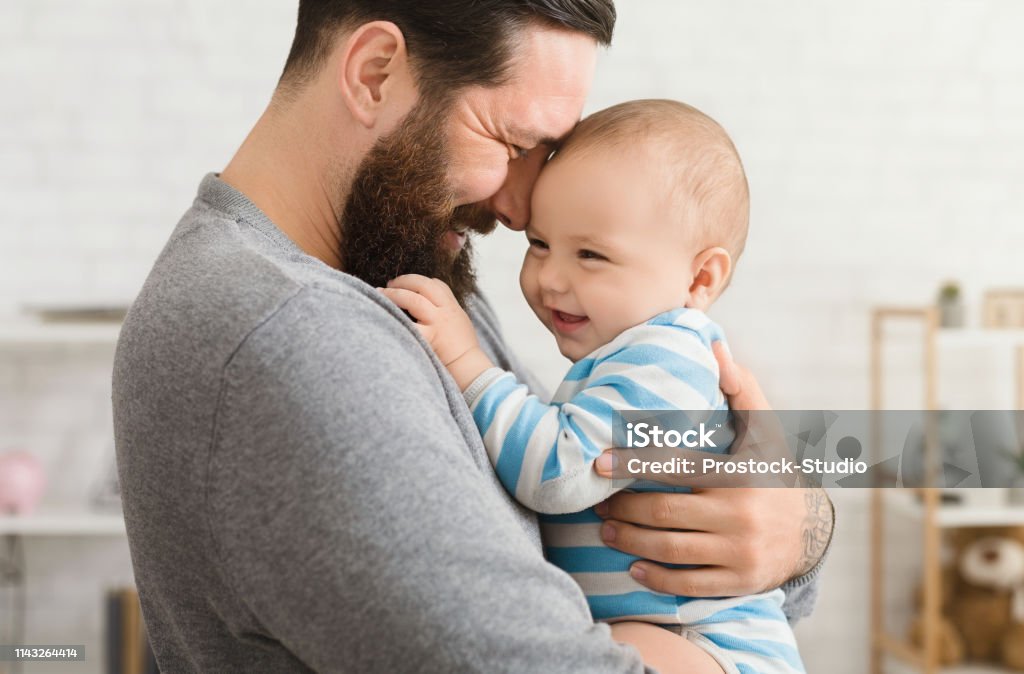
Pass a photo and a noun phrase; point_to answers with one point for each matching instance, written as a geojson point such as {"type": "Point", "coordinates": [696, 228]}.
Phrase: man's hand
{"type": "Point", "coordinates": [737, 383]}
{"type": "Point", "coordinates": [748, 540]}
{"type": "Point", "coordinates": [442, 322]}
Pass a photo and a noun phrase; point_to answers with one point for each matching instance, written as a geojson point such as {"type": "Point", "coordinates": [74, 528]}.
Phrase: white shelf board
{"type": "Point", "coordinates": [63, 522]}
{"type": "Point", "coordinates": [897, 667]}
{"type": "Point", "coordinates": [957, 515]}
{"type": "Point", "coordinates": [31, 333]}
{"type": "Point", "coordinates": [975, 337]}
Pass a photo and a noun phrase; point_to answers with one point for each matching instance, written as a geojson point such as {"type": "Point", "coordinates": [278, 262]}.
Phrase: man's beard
{"type": "Point", "coordinates": [400, 208]}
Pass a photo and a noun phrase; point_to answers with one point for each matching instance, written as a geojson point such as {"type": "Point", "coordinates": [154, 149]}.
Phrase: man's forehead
{"type": "Point", "coordinates": [531, 118]}
{"type": "Point", "coordinates": [550, 78]}
{"type": "Point", "coordinates": [560, 60]}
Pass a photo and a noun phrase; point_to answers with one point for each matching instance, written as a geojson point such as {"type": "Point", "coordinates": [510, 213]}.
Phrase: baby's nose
{"type": "Point", "coordinates": [552, 280]}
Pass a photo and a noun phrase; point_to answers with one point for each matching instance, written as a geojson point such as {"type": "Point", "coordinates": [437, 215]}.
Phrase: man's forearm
{"type": "Point", "coordinates": [817, 529]}
{"type": "Point", "coordinates": [802, 590]}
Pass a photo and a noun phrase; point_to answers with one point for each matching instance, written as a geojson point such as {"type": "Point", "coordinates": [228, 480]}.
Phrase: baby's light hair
{"type": "Point", "coordinates": [705, 182]}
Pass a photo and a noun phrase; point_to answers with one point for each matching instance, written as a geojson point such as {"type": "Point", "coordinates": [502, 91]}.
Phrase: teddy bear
{"type": "Point", "coordinates": [982, 599]}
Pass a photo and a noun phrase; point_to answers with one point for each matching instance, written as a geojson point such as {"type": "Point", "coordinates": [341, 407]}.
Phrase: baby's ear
{"type": "Point", "coordinates": [711, 270]}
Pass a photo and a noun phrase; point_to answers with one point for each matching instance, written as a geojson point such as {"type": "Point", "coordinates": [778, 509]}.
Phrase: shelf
{"type": "Point", "coordinates": [903, 657]}
{"type": "Point", "coordinates": [949, 516]}
{"type": "Point", "coordinates": [63, 522]}
{"type": "Point", "coordinates": [32, 333]}
{"type": "Point", "coordinates": [934, 516]}
{"type": "Point", "coordinates": [901, 668]}
{"type": "Point", "coordinates": [974, 337]}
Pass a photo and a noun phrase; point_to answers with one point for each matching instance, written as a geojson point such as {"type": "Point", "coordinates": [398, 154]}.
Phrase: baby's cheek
{"type": "Point", "coordinates": [528, 280]}
{"type": "Point", "coordinates": [618, 311]}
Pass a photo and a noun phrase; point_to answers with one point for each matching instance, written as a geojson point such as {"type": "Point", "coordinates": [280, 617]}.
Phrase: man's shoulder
{"type": "Point", "coordinates": [333, 333]}
{"type": "Point", "coordinates": [221, 287]}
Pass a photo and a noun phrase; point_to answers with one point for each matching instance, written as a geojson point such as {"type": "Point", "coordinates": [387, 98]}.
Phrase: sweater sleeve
{"type": "Point", "coordinates": [355, 526]}
{"type": "Point", "coordinates": [544, 453]}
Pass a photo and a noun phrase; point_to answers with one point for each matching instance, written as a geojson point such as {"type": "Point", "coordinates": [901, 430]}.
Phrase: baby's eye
{"type": "Point", "coordinates": [518, 152]}
{"type": "Point", "coordinates": [537, 243]}
{"type": "Point", "coordinates": [585, 254]}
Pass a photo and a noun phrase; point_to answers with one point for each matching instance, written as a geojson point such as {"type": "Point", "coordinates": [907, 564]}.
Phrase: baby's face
{"type": "Point", "coordinates": [604, 254]}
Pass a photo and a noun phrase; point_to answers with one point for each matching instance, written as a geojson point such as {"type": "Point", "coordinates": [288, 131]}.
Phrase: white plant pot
{"type": "Point", "coordinates": [951, 314]}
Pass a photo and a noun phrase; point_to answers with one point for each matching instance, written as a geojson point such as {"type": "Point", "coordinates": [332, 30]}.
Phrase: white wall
{"type": "Point", "coordinates": [883, 145]}
{"type": "Point", "coordinates": [883, 142]}
{"type": "Point", "coordinates": [113, 112]}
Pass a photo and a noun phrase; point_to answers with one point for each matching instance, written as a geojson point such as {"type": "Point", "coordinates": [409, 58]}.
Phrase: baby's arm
{"type": "Point", "coordinates": [543, 453]}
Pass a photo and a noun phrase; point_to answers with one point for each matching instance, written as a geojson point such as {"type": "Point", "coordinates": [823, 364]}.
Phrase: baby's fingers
{"type": "Point", "coordinates": [418, 306]}
{"type": "Point", "coordinates": [433, 289]}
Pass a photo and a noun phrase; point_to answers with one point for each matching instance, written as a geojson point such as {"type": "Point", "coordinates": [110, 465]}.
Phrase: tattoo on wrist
{"type": "Point", "coordinates": [817, 528]}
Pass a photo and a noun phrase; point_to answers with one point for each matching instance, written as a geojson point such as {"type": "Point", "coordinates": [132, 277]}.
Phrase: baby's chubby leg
{"type": "Point", "coordinates": [664, 651]}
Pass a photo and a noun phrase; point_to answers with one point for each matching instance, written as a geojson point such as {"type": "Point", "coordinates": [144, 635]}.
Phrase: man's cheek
{"type": "Point", "coordinates": [477, 178]}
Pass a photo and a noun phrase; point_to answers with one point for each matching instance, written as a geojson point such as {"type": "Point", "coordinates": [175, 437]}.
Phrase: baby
{"type": "Point", "coordinates": [637, 223]}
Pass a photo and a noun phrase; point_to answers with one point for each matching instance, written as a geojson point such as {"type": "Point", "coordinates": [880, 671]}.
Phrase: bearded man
{"type": "Point", "coordinates": [304, 487]}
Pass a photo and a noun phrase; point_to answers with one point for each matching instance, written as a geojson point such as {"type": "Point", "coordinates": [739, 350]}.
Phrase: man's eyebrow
{"type": "Point", "coordinates": [550, 141]}
{"type": "Point", "coordinates": [530, 139]}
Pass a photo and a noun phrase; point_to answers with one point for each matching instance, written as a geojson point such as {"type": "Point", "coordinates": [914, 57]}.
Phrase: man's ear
{"type": "Point", "coordinates": [374, 72]}
{"type": "Point", "coordinates": [711, 270]}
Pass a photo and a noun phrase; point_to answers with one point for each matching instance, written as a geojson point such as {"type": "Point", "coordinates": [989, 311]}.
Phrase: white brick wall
{"type": "Point", "coordinates": [113, 111]}
{"type": "Point", "coordinates": [883, 143]}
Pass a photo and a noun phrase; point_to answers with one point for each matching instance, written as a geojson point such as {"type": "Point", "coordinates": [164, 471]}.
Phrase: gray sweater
{"type": "Point", "coordinates": [303, 485]}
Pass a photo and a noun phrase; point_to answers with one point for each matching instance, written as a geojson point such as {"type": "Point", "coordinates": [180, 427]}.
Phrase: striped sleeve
{"type": "Point", "coordinates": [544, 453]}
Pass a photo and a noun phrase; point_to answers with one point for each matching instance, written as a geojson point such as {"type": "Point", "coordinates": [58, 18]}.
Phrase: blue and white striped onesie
{"type": "Point", "coordinates": [544, 455]}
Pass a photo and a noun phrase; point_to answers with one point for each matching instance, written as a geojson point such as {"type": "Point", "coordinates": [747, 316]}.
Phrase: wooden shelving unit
{"type": "Point", "coordinates": [17, 337]}
{"type": "Point", "coordinates": [66, 522]}
{"type": "Point", "coordinates": [55, 520]}
{"type": "Point", "coordinates": [959, 669]}
{"type": "Point", "coordinates": [23, 333]}
{"type": "Point", "coordinates": [933, 517]}
{"type": "Point", "coordinates": [956, 516]}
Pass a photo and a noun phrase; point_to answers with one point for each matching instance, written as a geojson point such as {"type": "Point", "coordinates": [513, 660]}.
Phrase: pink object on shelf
{"type": "Point", "coordinates": [22, 480]}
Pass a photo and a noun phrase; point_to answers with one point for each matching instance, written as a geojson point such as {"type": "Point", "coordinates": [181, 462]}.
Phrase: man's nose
{"type": "Point", "coordinates": [511, 203]}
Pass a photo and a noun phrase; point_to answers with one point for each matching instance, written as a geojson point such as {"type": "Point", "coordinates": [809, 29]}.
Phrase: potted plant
{"type": "Point", "coordinates": [951, 308]}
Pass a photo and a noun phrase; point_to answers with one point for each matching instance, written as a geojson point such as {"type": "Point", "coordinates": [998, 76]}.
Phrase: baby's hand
{"type": "Point", "coordinates": [441, 320]}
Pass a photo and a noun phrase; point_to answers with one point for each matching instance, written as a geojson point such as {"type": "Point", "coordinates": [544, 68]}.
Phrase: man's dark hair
{"type": "Point", "coordinates": [451, 43]}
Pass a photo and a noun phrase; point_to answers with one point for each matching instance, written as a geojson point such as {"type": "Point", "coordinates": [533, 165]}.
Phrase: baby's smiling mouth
{"type": "Point", "coordinates": [566, 322]}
